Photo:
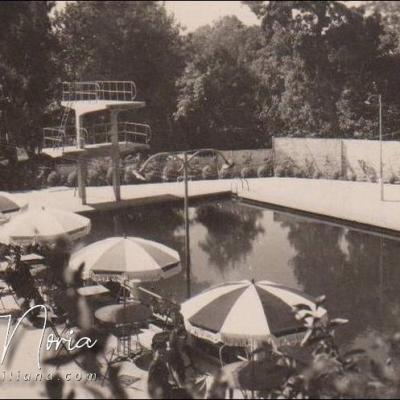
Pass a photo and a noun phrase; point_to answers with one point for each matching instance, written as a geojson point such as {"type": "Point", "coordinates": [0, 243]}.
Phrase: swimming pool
{"type": "Point", "coordinates": [358, 271]}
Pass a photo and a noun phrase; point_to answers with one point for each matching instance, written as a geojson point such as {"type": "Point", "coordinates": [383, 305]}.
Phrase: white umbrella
{"type": "Point", "coordinates": [10, 203]}
{"type": "Point", "coordinates": [3, 218]}
{"type": "Point", "coordinates": [43, 225]}
{"type": "Point", "coordinates": [127, 258]}
{"type": "Point", "coordinates": [246, 313]}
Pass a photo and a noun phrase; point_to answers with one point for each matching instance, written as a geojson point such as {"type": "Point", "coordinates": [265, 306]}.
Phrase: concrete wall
{"type": "Point", "coordinates": [336, 158]}
{"type": "Point", "coordinates": [312, 156]}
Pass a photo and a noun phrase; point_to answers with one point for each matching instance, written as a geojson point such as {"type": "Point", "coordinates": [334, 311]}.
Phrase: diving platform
{"type": "Point", "coordinates": [96, 140]}
{"type": "Point", "coordinates": [89, 97]}
{"type": "Point", "coordinates": [112, 138]}
{"type": "Point", "coordinates": [93, 150]}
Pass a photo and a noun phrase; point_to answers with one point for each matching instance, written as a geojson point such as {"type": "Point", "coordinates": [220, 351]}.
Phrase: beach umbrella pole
{"type": "Point", "coordinates": [187, 232]}
{"type": "Point", "coordinates": [252, 349]}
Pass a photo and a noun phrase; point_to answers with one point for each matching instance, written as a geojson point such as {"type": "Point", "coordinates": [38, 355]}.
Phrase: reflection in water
{"type": "Point", "coordinates": [357, 271]}
{"type": "Point", "coordinates": [227, 225]}
{"type": "Point", "coordinates": [352, 268]}
{"type": "Point", "coordinates": [141, 222]}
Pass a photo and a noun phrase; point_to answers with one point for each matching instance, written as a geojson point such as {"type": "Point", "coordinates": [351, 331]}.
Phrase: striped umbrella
{"type": "Point", "coordinates": [10, 203]}
{"type": "Point", "coordinates": [43, 225]}
{"type": "Point", "coordinates": [127, 258]}
{"type": "Point", "coordinates": [247, 313]}
{"type": "Point", "coordinates": [3, 218]}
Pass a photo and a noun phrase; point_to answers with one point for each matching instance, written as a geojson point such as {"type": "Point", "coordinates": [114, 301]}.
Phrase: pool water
{"type": "Point", "coordinates": [358, 271]}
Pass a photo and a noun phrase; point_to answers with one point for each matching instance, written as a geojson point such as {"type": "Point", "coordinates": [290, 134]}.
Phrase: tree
{"type": "Point", "coordinates": [27, 68]}
{"type": "Point", "coordinates": [217, 104]}
{"type": "Point", "coordinates": [132, 40]}
{"type": "Point", "coordinates": [321, 60]}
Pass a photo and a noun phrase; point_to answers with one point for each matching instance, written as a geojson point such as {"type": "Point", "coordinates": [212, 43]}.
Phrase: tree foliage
{"type": "Point", "coordinates": [324, 60]}
{"type": "Point", "coordinates": [217, 103]}
{"type": "Point", "coordinates": [27, 68]}
{"type": "Point", "coordinates": [125, 40]}
{"type": "Point", "coordinates": [306, 70]}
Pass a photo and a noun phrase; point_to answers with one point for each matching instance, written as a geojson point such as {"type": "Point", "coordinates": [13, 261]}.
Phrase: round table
{"type": "Point", "coordinates": [123, 321]}
{"type": "Point", "coordinates": [123, 313]}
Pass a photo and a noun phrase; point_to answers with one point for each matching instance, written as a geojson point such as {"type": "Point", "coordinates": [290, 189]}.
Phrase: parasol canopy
{"type": "Point", "coordinates": [3, 218]}
{"type": "Point", "coordinates": [247, 313]}
{"type": "Point", "coordinates": [43, 225]}
{"type": "Point", "coordinates": [127, 258]}
{"type": "Point", "coordinates": [10, 203]}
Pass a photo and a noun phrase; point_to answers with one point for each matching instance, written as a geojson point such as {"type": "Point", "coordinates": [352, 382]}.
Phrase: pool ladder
{"type": "Point", "coordinates": [243, 182]}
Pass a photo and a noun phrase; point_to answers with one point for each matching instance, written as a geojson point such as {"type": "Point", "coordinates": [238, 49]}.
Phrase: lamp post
{"type": "Point", "coordinates": [188, 156]}
{"type": "Point", "coordinates": [186, 161]}
{"type": "Point", "coordinates": [368, 101]}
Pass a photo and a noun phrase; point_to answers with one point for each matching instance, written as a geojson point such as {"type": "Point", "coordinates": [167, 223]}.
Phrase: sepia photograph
{"type": "Point", "coordinates": [199, 199]}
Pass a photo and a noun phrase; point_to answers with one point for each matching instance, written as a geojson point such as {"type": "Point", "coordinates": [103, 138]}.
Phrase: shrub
{"type": "Point", "coordinates": [317, 175]}
{"type": "Point", "coordinates": [53, 179]}
{"type": "Point", "coordinates": [309, 168]}
{"type": "Point", "coordinates": [129, 176]}
{"type": "Point", "coordinates": [130, 159]}
{"type": "Point", "coordinates": [351, 176]}
{"type": "Point", "coordinates": [72, 179]}
{"type": "Point", "coordinates": [264, 171]}
{"type": "Point", "coordinates": [247, 159]}
{"type": "Point", "coordinates": [109, 175]}
{"type": "Point", "coordinates": [279, 171]}
{"type": "Point", "coordinates": [152, 175]}
{"type": "Point", "coordinates": [40, 178]}
{"type": "Point", "coordinates": [171, 172]}
{"type": "Point", "coordinates": [225, 173]}
{"type": "Point", "coordinates": [336, 175]}
{"type": "Point", "coordinates": [288, 166]}
{"type": "Point", "coordinates": [195, 174]}
{"type": "Point", "coordinates": [247, 172]}
{"type": "Point", "coordinates": [368, 170]}
{"type": "Point", "coordinates": [298, 172]}
{"type": "Point", "coordinates": [392, 179]}
{"type": "Point", "coordinates": [209, 172]}
{"type": "Point", "coordinates": [63, 176]}
{"type": "Point", "coordinates": [93, 177]}
{"type": "Point", "coordinates": [194, 170]}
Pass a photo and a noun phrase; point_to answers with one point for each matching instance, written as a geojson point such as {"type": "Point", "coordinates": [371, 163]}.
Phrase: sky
{"type": "Point", "coordinates": [192, 14]}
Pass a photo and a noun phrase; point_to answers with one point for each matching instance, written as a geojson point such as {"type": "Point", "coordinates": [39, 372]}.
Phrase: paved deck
{"type": "Point", "coordinates": [356, 202]}
{"type": "Point", "coordinates": [101, 198]}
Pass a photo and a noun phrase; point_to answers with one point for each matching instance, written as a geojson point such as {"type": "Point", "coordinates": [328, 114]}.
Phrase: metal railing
{"type": "Point", "coordinates": [99, 90]}
{"type": "Point", "coordinates": [236, 181]}
{"type": "Point", "coordinates": [127, 132]}
{"type": "Point", "coordinates": [133, 132]}
{"type": "Point", "coordinates": [59, 138]}
{"type": "Point", "coordinates": [136, 130]}
{"type": "Point", "coordinates": [193, 156]}
{"type": "Point", "coordinates": [169, 166]}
